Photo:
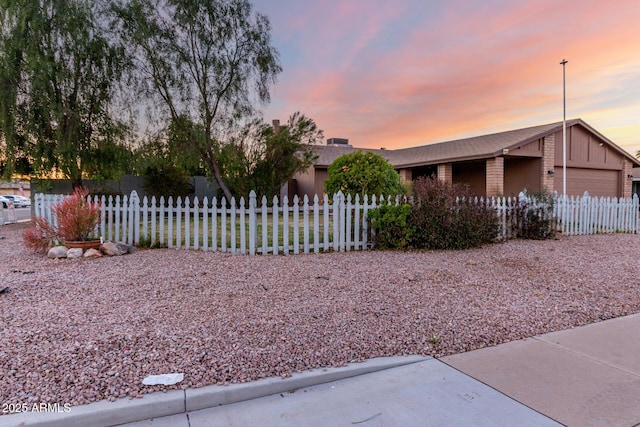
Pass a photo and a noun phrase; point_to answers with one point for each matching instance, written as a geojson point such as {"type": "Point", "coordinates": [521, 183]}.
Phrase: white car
{"type": "Point", "coordinates": [18, 201]}
{"type": "Point", "coordinates": [4, 201]}
{"type": "Point", "coordinates": [24, 201]}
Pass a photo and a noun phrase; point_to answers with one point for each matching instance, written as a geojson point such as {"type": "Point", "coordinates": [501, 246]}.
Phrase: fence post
{"type": "Point", "coordinates": [305, 217]}
{"type": "Point", "coordinates": [285, 224]}
{"type": "Point", "coordinates": [125, 219]}
{"type": "Point", "coordinates": [325, 219]}
{"type": "Point", "coordinates": [264, 213]}
{"type": "Point", "coordinates": [223, 224]}
{"type": "Point", "coordinates": [365, 221]}
{"type": "Point", "coordinates": [253, 225]}
{"type": "Point", "coordinates": [243, 225]}
{"type": "Point", "coordinates": [274, 226]}
{"type": "Point", "coordinates": [356, 225]}
{"type": "Point", "coordinates": [635, 208]}
{"type": "Point", "coordinates": [316, 224]}
{"type": "Point", "coordinates": [296, 224]}
{"type": "Point", "coordinates": [342, 221]}
{"type": "Point", "coordinates": [232, 225]}
{"type": "Point", "coordinates": [196, 223]}
{"type": "Point", "coordinates": [348, 223]}
{"type": "Point", "coordinates": [336, 221]}
{"type": "Point", "coordinates": [205, 223]}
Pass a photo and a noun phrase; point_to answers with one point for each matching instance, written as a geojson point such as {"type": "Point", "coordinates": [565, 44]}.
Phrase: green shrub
{"type": "Point", "coordinates": [390, 226]}
{"type": "Point", "coordinates": [447, 216]}
{"type": "Point", "coordinates": [534, 216]}
{"type": "Point", "coordinates": [362, 173]}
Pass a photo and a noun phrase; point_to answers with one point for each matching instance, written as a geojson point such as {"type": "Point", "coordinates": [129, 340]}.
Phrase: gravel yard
{"type": "Point", "coordinates": [77, 331]}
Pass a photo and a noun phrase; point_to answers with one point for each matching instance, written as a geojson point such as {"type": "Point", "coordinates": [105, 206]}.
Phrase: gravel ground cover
{"type": "Point", "coordinates": [77, 331]}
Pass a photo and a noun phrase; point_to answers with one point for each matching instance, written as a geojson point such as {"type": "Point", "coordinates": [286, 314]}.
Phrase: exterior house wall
{"type": "Point", "coordinates": [521, 173]}
{"type": "Point", "coordinates": [305, 183]}
{"type": "Point", "coordinates": [585, 150]}
{"type": "Point", "coordinates": [532, 149]}
{"type": "Point", "coordinates": [472, 174]}
{"type": "Point", "coordinates": [321, 176]}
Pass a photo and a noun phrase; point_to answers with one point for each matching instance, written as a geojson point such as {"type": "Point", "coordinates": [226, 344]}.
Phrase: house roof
{"type": "Point", "coordinates": [477, 147]}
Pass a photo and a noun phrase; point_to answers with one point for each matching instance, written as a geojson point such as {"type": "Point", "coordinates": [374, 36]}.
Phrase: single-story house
{"type": "Point", "coordinates": [502, 163]}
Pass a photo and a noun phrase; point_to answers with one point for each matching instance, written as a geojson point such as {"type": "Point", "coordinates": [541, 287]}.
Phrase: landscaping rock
{"type": "Point", "coordinates": [111, 249]}
{"type": "Point", "coordinates": [92, 253]}
{"type": "Point", "coordinates": [74, 253]}
{"type": "Point", "coordinates": [57, 252]}
{"type": "Point", "coordinates": [124, 247]}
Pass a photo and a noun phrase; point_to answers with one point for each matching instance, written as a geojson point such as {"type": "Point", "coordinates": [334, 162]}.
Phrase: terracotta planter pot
{"type": "Point", "coordinates": [83, 244]}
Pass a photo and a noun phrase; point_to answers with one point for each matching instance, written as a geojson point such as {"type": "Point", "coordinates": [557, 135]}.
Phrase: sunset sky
{"type": "Point", "coordinates": [403, 73]}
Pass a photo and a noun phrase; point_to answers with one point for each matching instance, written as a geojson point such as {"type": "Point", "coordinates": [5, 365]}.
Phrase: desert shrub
{"type": "Point", "coordinates": [447, 216]}
{"type": "Point", "coordinates": [39, 236]}
{"type": "Point", "coordinates": [76, 219]}
{"type": "Point", "coordinates": [389, 223]}
{"type": "Point", "coordinates": [534, 216]}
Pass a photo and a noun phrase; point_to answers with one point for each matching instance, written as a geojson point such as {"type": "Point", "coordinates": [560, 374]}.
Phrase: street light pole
{"type": "Point", "coordinates": [564, 130]}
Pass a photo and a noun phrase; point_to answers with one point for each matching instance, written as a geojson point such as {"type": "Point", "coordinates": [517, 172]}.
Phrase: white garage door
{"type": "Point", "coordinates": [596, 182]}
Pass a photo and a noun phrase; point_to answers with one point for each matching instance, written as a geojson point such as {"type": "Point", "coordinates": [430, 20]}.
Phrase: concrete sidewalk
{"type": "Point", "coordinates": [587, 376]}
{"type": "Point", "coordinates": [427, 393]}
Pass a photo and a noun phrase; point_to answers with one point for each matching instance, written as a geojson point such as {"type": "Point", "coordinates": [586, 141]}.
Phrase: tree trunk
{"type": "Point", "coordinates": [76, 182]}
{"type": "Point", "coordinates": [219, 180]}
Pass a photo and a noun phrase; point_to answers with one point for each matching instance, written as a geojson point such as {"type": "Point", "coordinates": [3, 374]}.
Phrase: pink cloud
{"type": "Point", "coordinates": [476, 70]}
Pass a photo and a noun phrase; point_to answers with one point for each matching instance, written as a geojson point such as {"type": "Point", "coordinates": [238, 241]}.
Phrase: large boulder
{"type": "Point", "coordinates": [92, 253]}
{"type": "Point", "coordinates": [111, 249]}
{"type": "Point", "coordinates": [128, 249]}
{"type": "Point", "coordinates": [74, 253]}
{"type": "Point", "coordinates": [57, 252]}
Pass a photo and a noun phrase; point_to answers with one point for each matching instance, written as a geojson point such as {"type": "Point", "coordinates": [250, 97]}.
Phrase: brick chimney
{"type": "Point", "coordinates": [276, 126]}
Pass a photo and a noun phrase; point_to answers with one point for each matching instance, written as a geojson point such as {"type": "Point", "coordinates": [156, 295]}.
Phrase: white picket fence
{"type": "Point", "coordinates": [338, 224]}
{"type": "Point", "coordinates": [595, 215]}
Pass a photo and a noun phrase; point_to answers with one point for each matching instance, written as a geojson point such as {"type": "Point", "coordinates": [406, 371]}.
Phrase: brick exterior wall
{"type": "Point", "coordinates": [445, 172]}
{"type": "Point", "coordinates": [495, 176]}
{"type": "Point", "coordinates": [405, 175]}
{"type": "Point", "coordinates": [548, 162]}
{"type": "Point", "coordinates": [627, 186]}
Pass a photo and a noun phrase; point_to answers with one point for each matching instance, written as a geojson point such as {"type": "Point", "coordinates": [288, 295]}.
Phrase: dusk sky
{"type": "Point", "coordinates": [403, 73]}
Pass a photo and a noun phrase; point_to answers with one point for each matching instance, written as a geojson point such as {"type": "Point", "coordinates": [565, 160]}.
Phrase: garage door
{"type": "Point", "coordinates": [596, 182]}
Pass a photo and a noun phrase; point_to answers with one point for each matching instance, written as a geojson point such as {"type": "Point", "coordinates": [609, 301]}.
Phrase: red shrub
{"type": "Point", "coordinates": [39, 236]}
{"type": "Point", "coordinates": [77, 217]}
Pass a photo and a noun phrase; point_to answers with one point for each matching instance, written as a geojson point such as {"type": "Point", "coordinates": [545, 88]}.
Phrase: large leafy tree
{"type": "Point", "coordinates": [263, 158]}
{"type": "Point", "coordinates": [208, 62]}
{"type": "Point", "coordinates": [59, 73]}
{"type": "Point", "coordinates": [363, 173]}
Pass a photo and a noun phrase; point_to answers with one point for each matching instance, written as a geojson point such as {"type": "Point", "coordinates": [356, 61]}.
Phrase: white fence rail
{"type": "Point", "coordinates": [301, 225]}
